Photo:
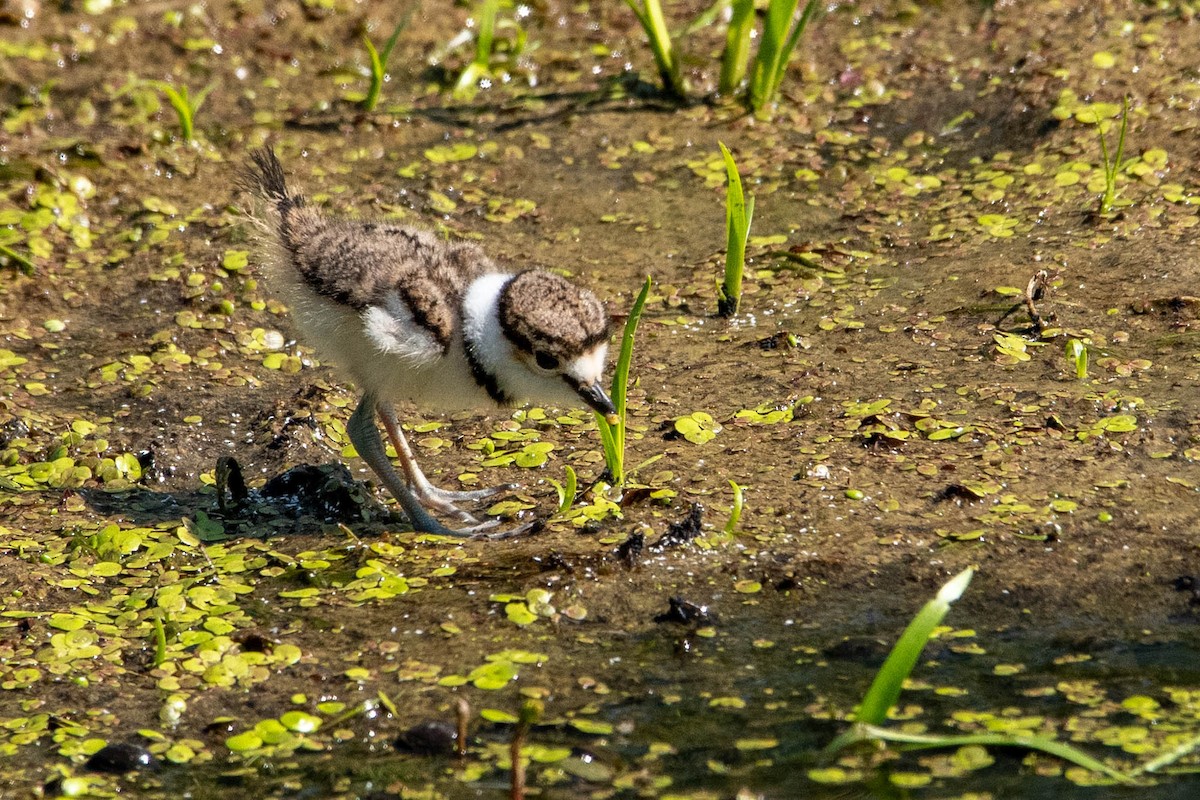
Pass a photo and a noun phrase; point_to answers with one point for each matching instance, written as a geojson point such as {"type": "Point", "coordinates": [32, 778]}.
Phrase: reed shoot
{"type": "Point", "coordinates": [184, 104]}
{"type": "Point", "coordinates": [650, 15]}
{"type": "Point", "coordinates": [779, 40]}
{"type": "Point", "coordinates": [739, 212]}
{"type": "Point", "coordinates": [612, 435]}
{"type": "Point", "coordinates": [1112, 165]}
{"type": "Point", "coordinates": [480, 66]}
{"type": "Point", "coordinates": [379, 62]}
{"type": "Point", "coordinates": [1077, 355]}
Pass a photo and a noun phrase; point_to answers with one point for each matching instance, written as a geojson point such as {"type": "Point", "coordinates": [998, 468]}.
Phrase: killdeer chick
{"type": "Point", "coordinates": [408, 316]}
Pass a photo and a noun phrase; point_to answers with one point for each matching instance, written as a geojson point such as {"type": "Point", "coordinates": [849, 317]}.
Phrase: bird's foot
{"type": "Point", "coordinates": [527, 529]}
{"type": "Point", "coordinates": [445, 501]}
{"type": "Point", "coordinates": [483, 530]}
{"type": "Point", "coordinates": [430, 494]}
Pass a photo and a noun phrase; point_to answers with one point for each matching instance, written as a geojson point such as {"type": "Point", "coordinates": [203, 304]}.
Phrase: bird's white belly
{"type": "Point", "coordinates": [352, 342]}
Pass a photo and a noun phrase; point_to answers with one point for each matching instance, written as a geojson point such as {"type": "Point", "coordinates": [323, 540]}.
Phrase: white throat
{"type": "Point", "coordinates": [482, 333]}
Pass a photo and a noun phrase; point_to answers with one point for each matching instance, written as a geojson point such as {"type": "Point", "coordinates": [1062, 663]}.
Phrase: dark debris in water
{"type": "Point", "coordinates": [120, 758]}
{"type": "Point", "coordinates": [327, 492]}
{"type": "Point", "coordinates": [429, 738]}
{"type": "Point", "coordinates": [681, 532]}
{"type": "Point", "coordinates": [629, 552]}
{"type": "Point", "coordinates": [684, 612]}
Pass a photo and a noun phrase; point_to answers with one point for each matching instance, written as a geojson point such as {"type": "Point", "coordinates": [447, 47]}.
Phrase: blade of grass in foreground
{"type": "Point", "coordinates": [885, 691]}
{"type": "Point", "coordinates": [1040, 743]}
{"type": "Point", "coordinates": [613, 436]}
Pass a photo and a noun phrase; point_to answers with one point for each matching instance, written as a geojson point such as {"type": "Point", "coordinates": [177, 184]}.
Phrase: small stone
{"type": "Point", "coordinates": [120, 758]}
{"type": "Point", "coordinates": [429, 738]}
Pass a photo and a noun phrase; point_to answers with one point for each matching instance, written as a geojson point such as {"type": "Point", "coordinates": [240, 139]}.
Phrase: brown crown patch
{"type": "Point", "coordinates": [541, 311]}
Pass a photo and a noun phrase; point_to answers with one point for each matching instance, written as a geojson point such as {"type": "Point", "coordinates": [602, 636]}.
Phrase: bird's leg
{"type": "Point", "coordinates": [364, 435]}
{"type": "Point", "coordinates": [441, 499]}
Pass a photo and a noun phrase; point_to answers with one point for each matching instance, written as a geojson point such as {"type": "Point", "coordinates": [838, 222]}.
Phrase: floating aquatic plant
{"type": "Point", "coordinates": [612, 435]}
{"type": "Point", "coordinates": [184, 104]}
{"type": "Point", "coordinates": [738, 214]}
{"type": "Point", "coordinates": [650, 15]}
{"type": "Point", "coordinates": [1112, 165]}
{"type": "Point", "coordinates": [379, 62]}
{"type": "Point", "coordinates": [779, 40]}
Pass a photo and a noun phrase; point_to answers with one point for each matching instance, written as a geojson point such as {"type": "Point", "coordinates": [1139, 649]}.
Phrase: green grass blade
{"type": "Point", "coordinates": [487, 31]}
{"type": "Point", "coordinates": [1077, 354]}
{"type": "Point", "coordinates": [738, 215]}
{"type": "Point", "coordinates": [655, 26]}
{"type": "Point", "coordinates": [386, 53]}
{"type": "Point", "coordinates": [485, 18]}
{"type": "Point", "coordinates": [1041, 744]}
{"type": "Point", "coordinates": [736, 58]}
{"type": "Point", "coordinates": [613, 436]}
{"type": "Point", "coordinates": [735, 513]}
{"type": "Point", "coordinates": [885, 689]}
{"type": "Point", "coordinates": [1112, 166]}
{"type": "Point", "coordinates": [779, 40]}
{"type": "Point", "coordinates": [779, 15]}
{"type": "Point", "coordinates": [569, 490]}
{"type": "Point", "coordinates": [23, 263]}
{"type": "Point", "coordinates": [1121, 136]}
{"type": "Point", "coordinates": [379, 61]}
{"type": "Point", "coordinates": [372, 97]}
{"type": "Point", "coordinates": [1170, 757]}
{"type": "Point", "coordinates": [178, 98]}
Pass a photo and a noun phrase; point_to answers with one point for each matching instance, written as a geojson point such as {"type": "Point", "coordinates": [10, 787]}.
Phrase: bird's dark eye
{"type": "Point", "coordinates": [545, 361]}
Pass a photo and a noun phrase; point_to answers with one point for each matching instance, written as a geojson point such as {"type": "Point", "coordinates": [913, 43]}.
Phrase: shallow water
{"type": "Point", "coordinates": [924, 163]}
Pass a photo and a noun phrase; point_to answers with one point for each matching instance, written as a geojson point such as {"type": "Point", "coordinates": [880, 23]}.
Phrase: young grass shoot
{"type": "Point", "coordinates": [612, 435]}
{"type": "Point", "coordinates": [779, 39]}
{"type": "Point", "coordinates": [1077, 357]}
{"type": "Point", "coordinates": [1112, 165]}
{"type": "Point", "coordinates": [480, 66]}
{"type": "Point", "coordinates": [736, 58]}
{"type": "Point", "coordinates": [650, 14]}
{"type": "Point", "coordinates": [739, 212]}
{"type": "Point", "coordinates": [379, 61]}
{"type": "Point", "coordinates": [735, 512]}
{"type": "Point", "coordinates": [184, 104]}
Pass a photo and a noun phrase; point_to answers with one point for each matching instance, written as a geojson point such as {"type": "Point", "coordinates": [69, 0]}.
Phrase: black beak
{"type": "Point", "coordinates": [596, 398]}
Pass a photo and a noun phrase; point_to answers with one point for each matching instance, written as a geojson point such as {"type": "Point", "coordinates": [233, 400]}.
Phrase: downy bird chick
{"type": "Point", "coordinates": [408, 316]}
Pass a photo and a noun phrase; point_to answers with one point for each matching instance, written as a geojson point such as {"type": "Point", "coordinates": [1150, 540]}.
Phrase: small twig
{"type": "Point", "coordinates": [1035, 291]}
{"type": "Point", "coordinates": [531, 711]}
{"type": "Point", "coordinates": [462, 715]}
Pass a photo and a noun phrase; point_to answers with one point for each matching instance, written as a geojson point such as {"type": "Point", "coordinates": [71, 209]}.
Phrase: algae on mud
{"type": "Point", "coordinates": [922, 161]}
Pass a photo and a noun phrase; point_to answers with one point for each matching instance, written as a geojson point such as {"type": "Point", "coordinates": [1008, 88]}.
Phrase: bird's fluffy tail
{"type": "Point", "coordinates": [264, 176]}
